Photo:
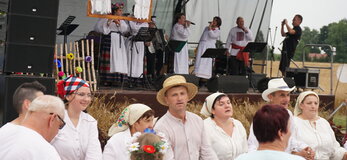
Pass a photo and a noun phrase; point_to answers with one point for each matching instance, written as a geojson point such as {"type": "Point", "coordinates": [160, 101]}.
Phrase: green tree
{"type": "Point", "coordinates": [308, 37]}
{"type": "Point", "coordinates": [337, 37]}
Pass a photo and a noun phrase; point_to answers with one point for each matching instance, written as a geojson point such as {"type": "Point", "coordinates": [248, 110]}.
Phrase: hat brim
{"type": "Point", "coordinates": [192, 91]}
{"type": "Point", "coordinates": [271, 90]}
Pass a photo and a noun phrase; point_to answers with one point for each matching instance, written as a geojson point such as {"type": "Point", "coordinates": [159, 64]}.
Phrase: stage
{"type": "Point", "coordinates": [148, 97]}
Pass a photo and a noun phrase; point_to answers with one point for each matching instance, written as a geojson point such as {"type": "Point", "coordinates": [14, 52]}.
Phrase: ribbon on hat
{"type": "Point", "coordinates": [128, 117]}
{"type": "Point", "coordinates": [206, 109]}
{"type": "Point", "coordinates": [70, 85]}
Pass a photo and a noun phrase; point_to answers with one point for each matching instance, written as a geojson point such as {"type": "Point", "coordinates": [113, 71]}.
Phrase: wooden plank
{"type": "Point", "coordinates": [83, 64]}
{"type": "Point", "coordinates": [90, 14]}
{"type": "Point", "coordinates": [93, 69]}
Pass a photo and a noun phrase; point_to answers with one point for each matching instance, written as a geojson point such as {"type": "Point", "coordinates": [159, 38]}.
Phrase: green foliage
{"type": "Point", "coordinates": [334, 34]}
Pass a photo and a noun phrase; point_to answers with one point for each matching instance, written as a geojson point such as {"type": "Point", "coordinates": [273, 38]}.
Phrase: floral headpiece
{"type": "Point", "coordinates": [158, 147]}
{"type": "Point", "coordinates": [118, 5]}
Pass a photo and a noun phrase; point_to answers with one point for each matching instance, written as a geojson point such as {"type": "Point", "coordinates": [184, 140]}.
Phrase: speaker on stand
{"type": "Point", "coordinates": [27, 33]}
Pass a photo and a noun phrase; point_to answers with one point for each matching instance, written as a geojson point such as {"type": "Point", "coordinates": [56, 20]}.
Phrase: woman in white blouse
{"type": "Point", "coordinates": [203, 66]}
{"type": "Point", "coordinates": [226, 135]}
{"type": "Point", "coordinates": [315, 131]}
{"type": "Point", "coordinates": [79, 139]}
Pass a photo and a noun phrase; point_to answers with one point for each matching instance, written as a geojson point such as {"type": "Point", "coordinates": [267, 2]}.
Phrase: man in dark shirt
{"type": "Point", "coordinates": [290, 42]}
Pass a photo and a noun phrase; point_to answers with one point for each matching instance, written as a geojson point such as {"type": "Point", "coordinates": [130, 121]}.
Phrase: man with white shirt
{"type": "Point", "coordinates": [185, 130]}
{"type": "Point", "coordinates": [180, 32]}
{"type": "Point", "coordinates": [22, 97]}
{"type": "Point", "coordinates": [238, 38]}
{"type": "Point", "coordinates": [30, 140]}
{"type": "Point", "coordinates": [278, 93]}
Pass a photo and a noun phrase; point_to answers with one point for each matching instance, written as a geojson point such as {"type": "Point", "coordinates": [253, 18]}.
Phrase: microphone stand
{"type": "Point", "coordinates": [272, 49]}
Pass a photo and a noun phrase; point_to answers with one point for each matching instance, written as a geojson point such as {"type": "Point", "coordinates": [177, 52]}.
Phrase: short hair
{"type": "Point", "coordinates": [237, 19]}
{"type": "Point", "coordinates": [299, 16]}
{"type": "Point", "coordinates": [48, 104]}
{"type": "Point", "coordinates": [147, 139]}
{"type": "Point", "coordinates": [218, 20]}
{"type": "Point", "coordinates": [268, 120]}
{"type": "Point", "coordinates": [178, 16]}
{"type": "Point", "coordinates": [147, 115]}
{"type": "Point", "coordinates": [217, 99]}
{"type": "Point", "coordinates": [27, 91]}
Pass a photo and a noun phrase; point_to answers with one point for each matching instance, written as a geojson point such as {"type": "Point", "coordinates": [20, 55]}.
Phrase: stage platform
{"type": "Point", "coordinates": [148, 97]}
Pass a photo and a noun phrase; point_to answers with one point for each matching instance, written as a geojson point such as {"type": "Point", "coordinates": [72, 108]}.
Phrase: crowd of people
{"type": "Point", "coordinates": [51, 127]}
{"type": "Point", "coordinates": [123, 58]}
{"type": "Point", "coordinates": [57, 127]}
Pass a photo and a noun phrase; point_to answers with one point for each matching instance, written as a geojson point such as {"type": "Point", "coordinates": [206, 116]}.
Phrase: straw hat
{"type": "Point", "coordinates": [176, 80]}
{"type": "Point", "coordinates": [277, 84]}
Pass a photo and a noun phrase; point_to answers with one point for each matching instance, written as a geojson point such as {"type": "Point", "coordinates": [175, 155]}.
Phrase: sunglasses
{"type": "Point", "coordinates": [61, 126]}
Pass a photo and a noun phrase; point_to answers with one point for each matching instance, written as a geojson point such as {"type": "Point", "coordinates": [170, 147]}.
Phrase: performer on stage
{"type": "Point", "coordinates": [203, 66]}
{"type": "Point", "coordinates": [180, 32]}
{"type": "Point", "coordinates": [136, 50]}
{"type": "Point", "coordinates": [290, 42]}
{"type": "Point", "coordinates": [155, 51]}
{"type": "Point", "coordinates": [113, 64]}
{"type": "Point", "coordinates": [237, 40]}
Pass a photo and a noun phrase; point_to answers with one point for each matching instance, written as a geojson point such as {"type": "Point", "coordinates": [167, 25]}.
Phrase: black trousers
{"type": "Point", "coordinates": [154, 62]}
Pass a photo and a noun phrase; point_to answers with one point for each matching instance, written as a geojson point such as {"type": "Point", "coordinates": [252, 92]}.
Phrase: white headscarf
{"type": "Point", "coordinates": [128, 117]}
{"type": "Point", "coordinates": [301, 97]}
{"type": "Point", "coordinates": [206, 109]}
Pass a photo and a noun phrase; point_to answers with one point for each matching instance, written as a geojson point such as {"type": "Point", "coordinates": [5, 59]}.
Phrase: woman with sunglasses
{"type": "Point", "coordinates": [78, 140]}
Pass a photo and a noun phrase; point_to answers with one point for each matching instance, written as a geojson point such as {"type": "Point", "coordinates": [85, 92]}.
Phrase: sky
{"type": "Point", "coordinates": [316, 13]}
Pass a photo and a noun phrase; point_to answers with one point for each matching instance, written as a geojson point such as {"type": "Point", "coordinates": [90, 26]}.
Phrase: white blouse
{"type": "Point", "coordinates": [226, 147]}
{"type": "Point", "coordinates": [321, 138]}
{"type": "Point", "coordinates": [116, 147]}
{"type": "Point", "coordinates": [81, 142]}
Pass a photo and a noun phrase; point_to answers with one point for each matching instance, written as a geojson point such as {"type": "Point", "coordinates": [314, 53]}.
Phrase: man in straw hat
{"type": "Point", "coordinates": [185, 130]}
{"type": "Point", "coordinates": [278, 93]}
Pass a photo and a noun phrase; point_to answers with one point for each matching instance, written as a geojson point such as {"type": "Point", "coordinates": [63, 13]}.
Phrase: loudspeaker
{"type": "Point", "coordinates": [189, 78]}
{"type": "Point", "coordinates": [256, 77]}
{"type": "Point", "coordinates": [9, 83]}
{"type": "Point", "coordinates": [304, 77]}
{"type": "Point", "coordinates": [28, 36]}
{"type": "Point", "coordinates": [228, 84]}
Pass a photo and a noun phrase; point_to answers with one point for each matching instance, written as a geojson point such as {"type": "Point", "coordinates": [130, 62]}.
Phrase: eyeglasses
{"type": "Point", "coordinates": [63, 122]}
{"type": "Point", "coordinates": [89, 95]}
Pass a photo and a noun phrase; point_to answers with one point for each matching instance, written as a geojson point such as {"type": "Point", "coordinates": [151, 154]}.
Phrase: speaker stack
{"type": "Point", "coordinates": [228, 84]}
{"type": "Point", "coordinates": [27, 41]}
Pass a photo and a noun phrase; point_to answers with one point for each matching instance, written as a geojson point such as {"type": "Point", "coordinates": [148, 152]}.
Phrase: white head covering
{"type": "Point", "coordinates": [206, 109]}
{"type": "Point", "coordinates": [128, 117]}
{"type": "Point", "coordinates": [277, 84]}
{"type": "Point", "coordinates": [301, 97]}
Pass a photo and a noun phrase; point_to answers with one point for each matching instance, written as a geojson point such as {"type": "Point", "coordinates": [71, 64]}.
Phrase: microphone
{"type": "Point", "coordinates": [190, 22]}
